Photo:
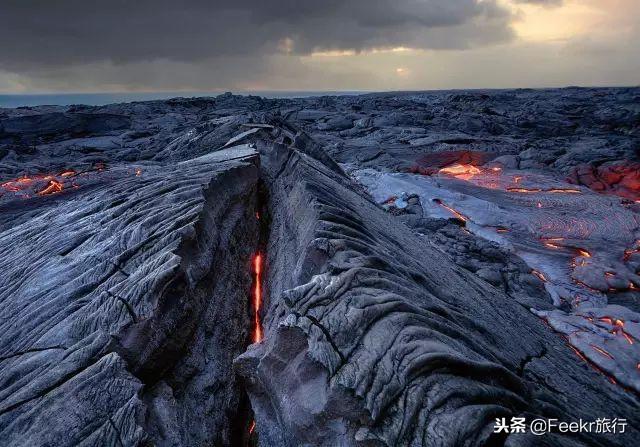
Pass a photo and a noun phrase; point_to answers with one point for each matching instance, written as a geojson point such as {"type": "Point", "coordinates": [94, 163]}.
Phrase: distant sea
{"type": "Point", "coordinates": [98, 99]}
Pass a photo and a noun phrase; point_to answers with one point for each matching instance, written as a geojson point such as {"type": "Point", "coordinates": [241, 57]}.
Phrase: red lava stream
{"type": "Point", "coordinates": [257, 297]}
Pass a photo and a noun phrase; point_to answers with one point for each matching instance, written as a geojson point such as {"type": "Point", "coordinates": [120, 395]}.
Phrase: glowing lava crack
{"type": "Point", "coordinates": [257, 297]}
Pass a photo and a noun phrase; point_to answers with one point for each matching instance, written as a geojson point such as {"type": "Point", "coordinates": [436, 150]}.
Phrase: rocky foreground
{"type": "Point", "coordinates": [377, 270]}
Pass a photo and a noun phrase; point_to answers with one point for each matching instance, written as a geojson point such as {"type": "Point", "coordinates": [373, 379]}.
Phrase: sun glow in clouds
{"type": "Point", "coordinates": [539, 23]}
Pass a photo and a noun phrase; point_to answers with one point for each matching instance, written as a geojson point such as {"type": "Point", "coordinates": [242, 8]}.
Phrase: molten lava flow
{"type": "Point", "coordinates": [524, 190]}
{"type": "Point", "coordinates": [390, 200]}
{"type": "Point", "coordinates": [590, 363]}
{"type": "Point", "coordinates": [252, 427]}
{"type": "Point", "coordinates": [617, 328]}
{"type": "Point", "coordinates": [257, 297]}
{"type": "Point", "coordinates": [53, 187]}
{"type": "Point", "coordinates": [578, 353]}
{"type": "Point", "coordinates": [552, 191]}
{"type": "Point", "coordinates": [601, 351]}
{"type": "Point", "coordinates": [540, 275]}
{"type": "Point", "coordinates": [631, 251]}
{"type": "Point", "coordinates": [27, 185]}
{"type": "Point", "coordinates": [456, 213]}
{"type": "Point", "coordinates": [580, 252]}
{"type": "Point", "coordinates": [460, 170]}
{"type": "Point", "coordinates": [583, 253]}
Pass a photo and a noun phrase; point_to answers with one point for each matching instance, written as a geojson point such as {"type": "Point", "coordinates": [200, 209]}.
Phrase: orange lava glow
{"type": "Point", "coordinates": [579, 354]}
{"type": "Point", "coordinates": [606, 320]}
{"type": "Point", "coordinates": [390, 200]}
{"type": "Point", "coordinates": [252, 427]}
{"type": "Point", "coordinates": [601, 351]}
{"type": "Point", "coordinates": [583, 253]}
{"type": "Point", "coordinates": [456, 213]}
{"type": "Point", "coordinates": [588, 362]}
{"type": "Point", "coordinates": [257, 297]}
{"type": "Point", "coordinates": [540, 275]}
{"type": "Point", "coordinates": [552, 191]}
{"type": "Point", "coordinates": [53, 187]}
{"type": "Point", "coordinates": [630, 251]}
{"type": "Point", "coordinates": [460, 170]}
{"type": "Point", "coordinates": [27, 183]}
{"type": "Point", "coordinates": [524, 190]}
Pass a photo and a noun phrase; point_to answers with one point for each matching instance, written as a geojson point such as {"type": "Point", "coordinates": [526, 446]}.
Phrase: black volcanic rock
{"type": "Point", "coordinates": [58, 125]}
{"type": "Point", "coordinates": [373, 337]}
{"type": "Point", "coordinates": [110, 295]}
{"type": "Point", "coordinates": [426, 269]}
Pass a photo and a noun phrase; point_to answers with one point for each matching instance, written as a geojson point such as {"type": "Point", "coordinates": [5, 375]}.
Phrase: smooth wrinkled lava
{"type": "Point", "coordinates": [578, 251]}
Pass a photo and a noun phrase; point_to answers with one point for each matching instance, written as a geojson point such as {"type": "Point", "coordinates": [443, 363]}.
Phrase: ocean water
{"type": "Point", "coordinates": [98, 99]}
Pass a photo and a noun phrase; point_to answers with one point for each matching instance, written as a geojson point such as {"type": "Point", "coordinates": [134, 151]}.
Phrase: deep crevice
{"type": "Point", "coordinates": [245, 430]}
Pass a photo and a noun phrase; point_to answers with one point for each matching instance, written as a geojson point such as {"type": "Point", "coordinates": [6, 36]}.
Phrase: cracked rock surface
{"type": "Point", "coordinates": [374, 337]}
{"type": "Point", "coordinates": [122, 306]}
{"type": "Point", "coordinates": [431, 262]}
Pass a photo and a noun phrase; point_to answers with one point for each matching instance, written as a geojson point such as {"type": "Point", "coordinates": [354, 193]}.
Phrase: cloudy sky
{"type": "Point", "coordinates": [209, 45]}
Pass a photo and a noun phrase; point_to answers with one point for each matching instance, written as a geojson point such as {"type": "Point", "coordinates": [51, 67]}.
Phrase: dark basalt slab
{"type": "Point", "coordinates": [112, 293]}
{"type": "Point", "coordinates": [373, 337]}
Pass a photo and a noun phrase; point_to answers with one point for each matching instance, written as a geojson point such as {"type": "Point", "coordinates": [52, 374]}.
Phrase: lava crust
{"type": "Point", "coordinates": [393, 269]}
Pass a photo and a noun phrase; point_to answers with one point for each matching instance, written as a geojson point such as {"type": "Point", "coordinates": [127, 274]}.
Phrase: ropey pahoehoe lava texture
{"type": "Point", "coordinates": [392, 269]}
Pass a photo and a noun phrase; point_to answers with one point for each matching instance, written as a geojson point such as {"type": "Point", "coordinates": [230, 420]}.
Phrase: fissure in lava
{"type": "Point", "coordinates": [257, 297]}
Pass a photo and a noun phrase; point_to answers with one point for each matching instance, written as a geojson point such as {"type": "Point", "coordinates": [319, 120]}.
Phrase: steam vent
{"type": "Point", "coordinates": [379, 270]}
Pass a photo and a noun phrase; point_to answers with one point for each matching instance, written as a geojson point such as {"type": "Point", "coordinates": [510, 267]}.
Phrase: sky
{"type": "Point", "coordinates": [298, 45]}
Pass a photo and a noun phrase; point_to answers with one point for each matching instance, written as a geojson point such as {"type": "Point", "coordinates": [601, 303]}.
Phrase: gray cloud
{"type": "Point", "coordinates": [40, 35]}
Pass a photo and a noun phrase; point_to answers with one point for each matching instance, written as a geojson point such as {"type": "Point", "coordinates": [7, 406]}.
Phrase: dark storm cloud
{"type": "Point", "coordinates": [41, 34]}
